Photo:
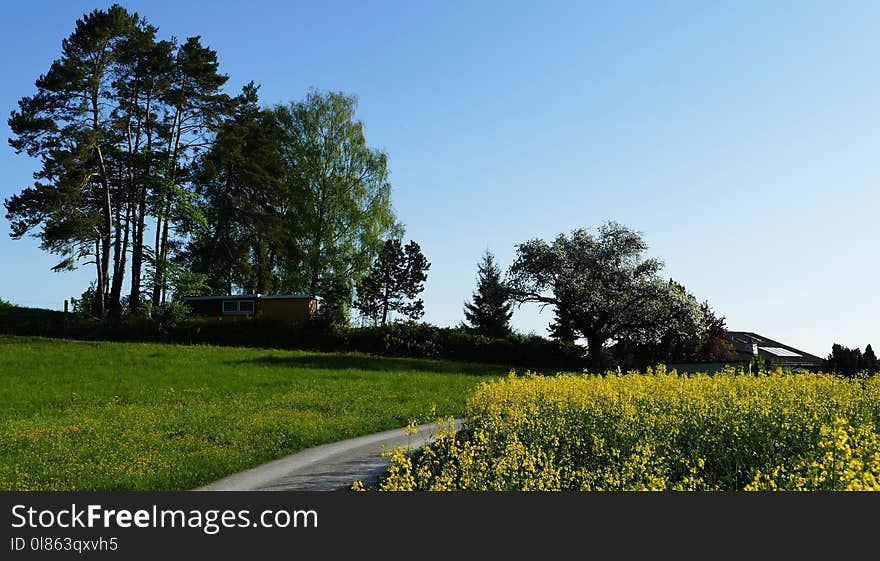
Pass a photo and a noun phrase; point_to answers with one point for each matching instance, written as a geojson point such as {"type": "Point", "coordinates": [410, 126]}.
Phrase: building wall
{"type": "Point", "coordinates": [705, 367]}
{"type": "Point", "coordinates": [208, 308]}
{"type": "Point", "coordinates": [292, 310]}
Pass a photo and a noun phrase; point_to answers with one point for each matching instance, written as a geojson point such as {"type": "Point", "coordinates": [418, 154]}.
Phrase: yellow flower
{"type": "Point", "coordinates": [664, 431]}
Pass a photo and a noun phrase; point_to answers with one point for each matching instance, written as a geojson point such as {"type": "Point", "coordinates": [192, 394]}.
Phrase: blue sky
{"type": "Point", "coordinates": [741, 138]}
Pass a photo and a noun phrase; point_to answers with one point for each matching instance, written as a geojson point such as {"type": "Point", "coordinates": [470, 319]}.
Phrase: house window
{"type": "Point", "coordinates": [238, 307]}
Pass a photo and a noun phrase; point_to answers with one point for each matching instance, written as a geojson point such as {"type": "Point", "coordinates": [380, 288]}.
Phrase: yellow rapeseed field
{"type": "Point", "coordinates": [656, 431]}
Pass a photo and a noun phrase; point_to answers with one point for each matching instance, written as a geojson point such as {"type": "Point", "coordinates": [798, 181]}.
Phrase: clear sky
{"type": "Point", "coordinates": [741, 138]}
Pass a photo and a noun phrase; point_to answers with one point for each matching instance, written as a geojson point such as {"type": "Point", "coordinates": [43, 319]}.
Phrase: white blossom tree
{"type": "Point", "coordinates": [602, 288]}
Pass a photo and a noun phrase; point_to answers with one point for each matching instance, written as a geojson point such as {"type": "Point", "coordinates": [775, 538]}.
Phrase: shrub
{"type": "Point", "coordinates": [82, 306]}
{"type": "Point", "coordinates": [170, 322]}
{"type": "Point", "coordinates": [168, 315]}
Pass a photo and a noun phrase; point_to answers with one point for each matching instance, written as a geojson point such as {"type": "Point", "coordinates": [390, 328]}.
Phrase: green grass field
{"type": "Point", "coordinates": [128, 416]}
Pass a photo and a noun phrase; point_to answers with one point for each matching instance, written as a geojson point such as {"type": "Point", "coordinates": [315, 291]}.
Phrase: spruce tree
{"type": "Point", "coordinates": [490, 310]}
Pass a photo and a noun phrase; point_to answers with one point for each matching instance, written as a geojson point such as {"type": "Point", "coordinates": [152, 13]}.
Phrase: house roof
{"type": "Point", "coordinates": [742, 342]}
{"type": "Point", "coordinates": [255, 296]}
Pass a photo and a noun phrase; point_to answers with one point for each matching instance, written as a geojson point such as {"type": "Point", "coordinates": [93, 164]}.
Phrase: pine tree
{"type": "Point", "coordinates": [116, 122]}
{"type": "Point", "coordinates": [238, 182]}
{"type": "Point", "coordinates": [194, 110]}
{"type": "Point", "coordinates": [67, 126]}
{"type": "Point", "coordinates": [394, 281]}
{"type": "Point", "coordinates": [490, 310]}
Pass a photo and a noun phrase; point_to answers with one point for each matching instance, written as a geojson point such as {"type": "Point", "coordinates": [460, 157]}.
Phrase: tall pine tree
{"type": "Point", "coordinates": [490, 310]}
{"type": "Point", "coordinates": [195, 108]}
{"type": "Point", "coordinates": [67, 125]}
{"type": "Point", "coordinates": [116, 122]}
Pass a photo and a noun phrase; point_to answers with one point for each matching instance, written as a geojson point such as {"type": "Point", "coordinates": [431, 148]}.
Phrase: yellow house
{"type": "Point", "coordinates": [290, 307]}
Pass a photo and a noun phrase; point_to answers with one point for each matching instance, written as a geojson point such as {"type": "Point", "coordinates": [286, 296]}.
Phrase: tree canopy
{"type": "Point", "coordinates": [849, 362]}
{"type": "Point", "coordinates": [601, 286]}
{"type": "Point", "coordinates": [242, 197]}
{"type": "Point", "coordinates": [679, 341]}
{"type": "Point", "coordinates": [394, 282]}
{"type": "Point", "coordinates": [151, 172]}
{"type": "Point", "coordinates": [339, 210]}
{"type": "Point", "coordinates": [115, 122]}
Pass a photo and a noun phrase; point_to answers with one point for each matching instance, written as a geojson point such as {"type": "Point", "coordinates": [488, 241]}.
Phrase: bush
{"type": "Point", "coordinates": [33, 321]}
{"type": "Point", "coordinates": [82, 306]}
{"type": "Point", "coordinates": [422, 340]}
{"type": "Point", "coordinates": [168, 315]}
{"type": "Point", "coordinates": [171, 323]}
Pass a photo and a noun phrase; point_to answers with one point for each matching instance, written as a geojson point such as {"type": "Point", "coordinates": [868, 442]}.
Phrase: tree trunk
{"type": "Point", "coordinates": [594, 354]}
{"type": "Point", "coordinates": [159, 290]}
{"type": "Point", "coordinates": [120, 249]}
{"type": "Point", "coordinates": [164, 258]}
{"type": "Point", "coordinates": [117, 244]}
{"type": "Point", "coordinates": [137, 252]}
{"type": "Point", "coordinates": [262, 281]}
{"type": "Point", "coordinates": [139, 210]}
{"type": "Point", "coordinates": [385, 303]}
{"type": "Point", "coordinates": [313, 284]}
{"type": "Point", "coordinates": [98, 300]}
{"type": "Point", "coordinates": [120, 258]}
{"type": "Point", "coordinates": [315, 264]}
{"type": "Point", "coordinates": [316, 251]}
{"type": "Point", "coordinates": [105, 235]}
{"type": "Point", "coordinates": [156, 265]}
{"type": "Point", "coordinates": [106, 211]}
{"type": "Point", "coordinates": [102, 243]}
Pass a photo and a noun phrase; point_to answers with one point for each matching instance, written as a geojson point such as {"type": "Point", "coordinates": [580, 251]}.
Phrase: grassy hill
{"type": "Point", "coordinates": [80, 415]}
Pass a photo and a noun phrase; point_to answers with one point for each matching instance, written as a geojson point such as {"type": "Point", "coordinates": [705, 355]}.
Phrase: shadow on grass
{"type": "Point", "coordinates": [380, 363]}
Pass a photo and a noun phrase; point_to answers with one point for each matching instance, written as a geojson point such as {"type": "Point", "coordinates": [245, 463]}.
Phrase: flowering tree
{"type": "Point", "coordinates": [601, 287]}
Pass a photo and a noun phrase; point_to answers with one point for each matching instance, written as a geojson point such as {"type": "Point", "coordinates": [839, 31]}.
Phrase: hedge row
{"type": "Point", "coordinates": [409, 339]}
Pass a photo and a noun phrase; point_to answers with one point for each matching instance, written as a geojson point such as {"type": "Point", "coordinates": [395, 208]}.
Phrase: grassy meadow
{"type": "Point", "coordinates": [129, 416]}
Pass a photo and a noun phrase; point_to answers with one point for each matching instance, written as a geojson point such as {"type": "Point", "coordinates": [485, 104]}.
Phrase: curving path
{"type": "Point", "coordinates": [329, 467]}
